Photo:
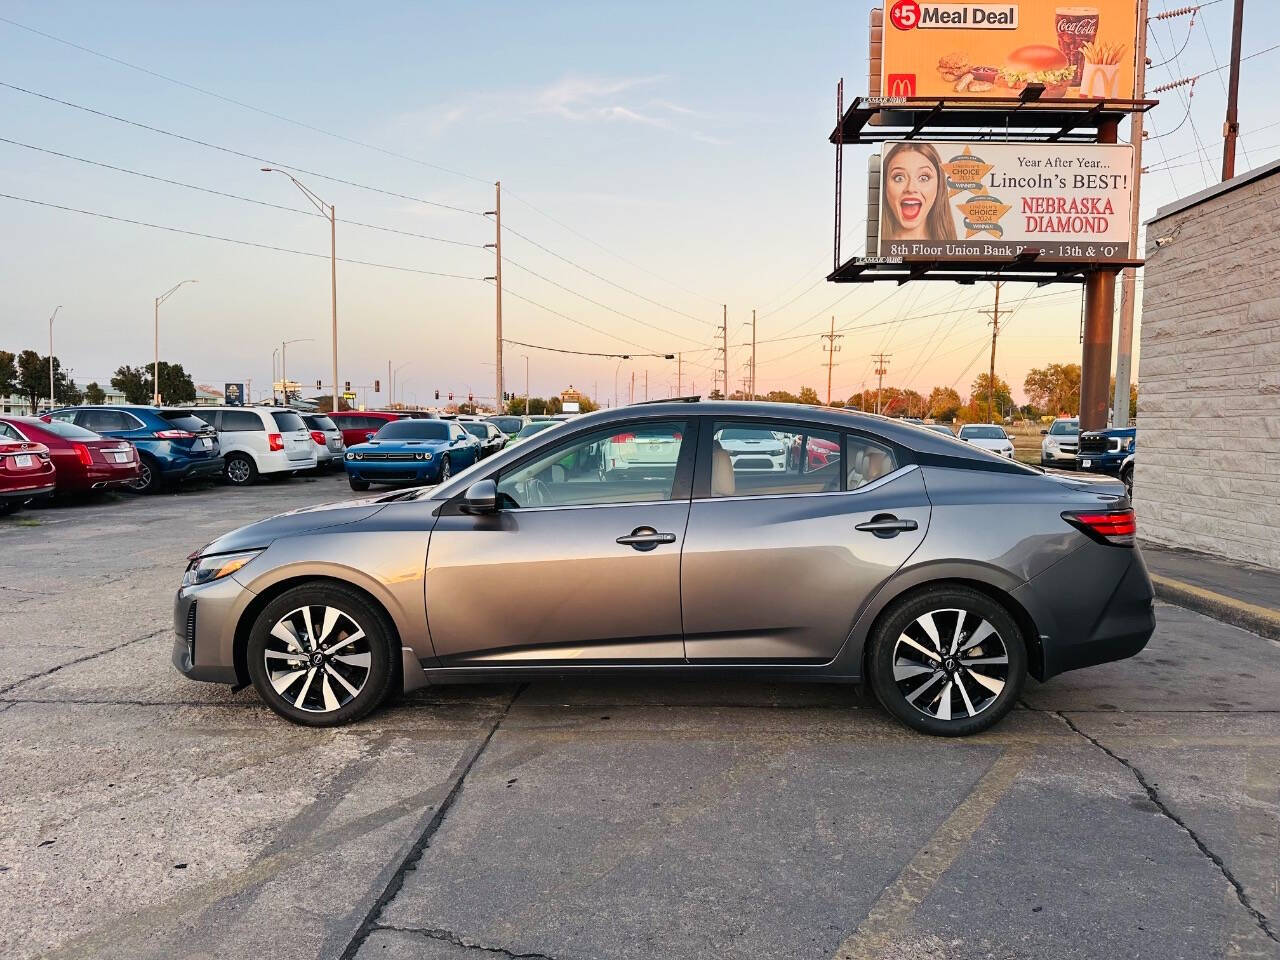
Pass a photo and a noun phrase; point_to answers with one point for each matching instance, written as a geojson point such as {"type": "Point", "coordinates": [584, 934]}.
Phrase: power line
{"type": "Point", "coordinates": [234, 196]}
{"type": "Point", "coordinates": [235, 240]}
{"type": "Point", "coordinates": [584, 353]}
{"type": "Point", "coordinates": [507, 291]}
{"type": "Point", "coordinates": [236, 153]}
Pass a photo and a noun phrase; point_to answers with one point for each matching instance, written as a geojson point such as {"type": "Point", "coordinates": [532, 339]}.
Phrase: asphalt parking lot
{"type": "Point", "coordinates": [1131, 810]}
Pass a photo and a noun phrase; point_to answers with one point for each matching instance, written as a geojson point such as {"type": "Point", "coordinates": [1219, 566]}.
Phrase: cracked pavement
{"type": "Point", "coordinates": [1130, 810]}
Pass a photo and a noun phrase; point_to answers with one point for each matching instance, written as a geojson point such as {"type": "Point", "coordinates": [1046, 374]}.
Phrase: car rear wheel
{"type": "Point", "coordinates": [948, 661]}
{"type": "Point", "coordinates": [148, 478]}
{"type": "Point", "coordinates": [240, 470]}
{"type": "Point", "coordinates": [320, 655]}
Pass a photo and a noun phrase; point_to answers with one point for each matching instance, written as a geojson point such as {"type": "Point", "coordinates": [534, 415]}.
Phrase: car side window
{"type": "Point", "coordinates": [240, 421]}
{"type": "Point", "coordinates": [66, 416]}
{"type": "Point", "coordinates": [758, 459]}
{"type": "Point", "coordinates": [623, 464]}
{"type": "Point", "coordinates": [7, 431]}
{"type": "Point", "coordinates": [102, 420]}
{"type": "Point", "coordinates": [868, 461]}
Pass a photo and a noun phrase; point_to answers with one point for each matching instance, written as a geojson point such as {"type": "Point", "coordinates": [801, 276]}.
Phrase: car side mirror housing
{"type": "Point", "coordinates": [1044, 433]}
{"type": "Point", "coordinates": [481, 497]}
{"type": "Point", "coordinates": [368, 436]}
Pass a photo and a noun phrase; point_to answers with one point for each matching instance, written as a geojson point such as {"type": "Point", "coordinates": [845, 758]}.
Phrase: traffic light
{"type": "Point", "coordinates": [437, 394]}
{"type": "Point", "coordinates": [450, 396]}
{"type": "Point", "coordinates": [470, 398]}
{"type": "Point", "coordinates": [377, 386]}
{"type": "Point", "coordinates": [347, 387]}
{"type": "Point", "coordinates": [319, 386]}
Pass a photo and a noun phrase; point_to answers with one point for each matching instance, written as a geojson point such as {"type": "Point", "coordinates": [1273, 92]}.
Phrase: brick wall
{"type": "Point", "coordinates": [1208, 466]}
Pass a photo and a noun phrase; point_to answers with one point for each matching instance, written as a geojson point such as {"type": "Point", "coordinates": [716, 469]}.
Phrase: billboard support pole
{"type": "Point", "coordinates": [839, 169]}
{"type": "Point", "coordinates": [1099, 323]}
{"type": "Point", "coordinates": [1128, 284]}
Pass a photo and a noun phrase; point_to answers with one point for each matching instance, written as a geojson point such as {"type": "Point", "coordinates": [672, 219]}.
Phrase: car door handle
{"type": "Point", "coordinates": [646, 538]}
{"type": "Point", "coordinates": [887, 525]}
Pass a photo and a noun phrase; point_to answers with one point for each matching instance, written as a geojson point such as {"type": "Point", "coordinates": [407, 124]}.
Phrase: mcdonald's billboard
{"type": "Point", "coordinates": [1071, 202]}
{"type": "Point", "coordinates": [996, 49]}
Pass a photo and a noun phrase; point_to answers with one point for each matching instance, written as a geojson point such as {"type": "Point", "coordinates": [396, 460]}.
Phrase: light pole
{"type": "Point", "coordinates": [391, 386]}
{"type": "Point", "coordinates": [155, 370]}
{"type": "Point", "coordinates": [284, 379]}
{"type": "Point", "coordinates": [51, 316]}
{"type": "Point", "coordinates": [615, 378]}
{"type": "Point", "coordinates": [274, 353]}
{"type": "Point", "coordinates": [526, 383]}
{"type": "Point", "coordinates": [326, 210]}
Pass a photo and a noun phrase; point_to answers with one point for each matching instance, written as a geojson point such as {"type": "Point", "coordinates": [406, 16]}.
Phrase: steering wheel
{"type": "Point", "coordinates": [537, 492]}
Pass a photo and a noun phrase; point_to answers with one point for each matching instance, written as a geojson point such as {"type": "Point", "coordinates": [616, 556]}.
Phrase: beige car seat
{"type": "Point", "coordinates": [722, 482]}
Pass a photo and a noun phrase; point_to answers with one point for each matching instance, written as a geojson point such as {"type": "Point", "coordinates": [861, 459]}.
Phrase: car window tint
{"type": "Point", "coordinates": [12, 434]}
{"type": "Point", "coordinates": [983, 432]}
{"type": "Point", "coordinates": [868, 462]}
{"type": "Point", "coordinates": [414, 430]}
{"type": "Point", "coordinates": [68, 430]}
{"type": "Point", "coordinates": [182, 420]}
{"type": "Point", "coordinates": [1065, 427]}
{"type": "Point", "coordinates": [287, 421]}
{"type": "Point", "coordinates": [507, 424]}
{"type": "Point", "coordinates": [102, 420]}
{"type": "Point", "coordinates": [319, 422]}
{"type": "Point", "coordinates": [630, 464]}
{"type": "Point", "coordinates": [762, 459]}
{"type": "Point", "coordinates": [66, 416]}
{"type": "Point", "coordinates": [241, 421]}
{"type": "Point", "coordinates": [477, 429]}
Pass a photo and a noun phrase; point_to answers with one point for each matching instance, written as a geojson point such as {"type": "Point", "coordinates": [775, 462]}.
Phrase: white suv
{"type": "Point", "coordinates": [258, 440]}
{"type": "Point", "coordinates": [1060, 441]}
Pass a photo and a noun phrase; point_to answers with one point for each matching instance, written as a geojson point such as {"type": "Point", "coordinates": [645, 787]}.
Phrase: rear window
{"type": "Point", "coordinates": [241, 421]}
{"type": "Point", "coordinates": [414, 430]}
{"type": "Point", "coordinates": [320, 423]}
{"type": "Point", "coordinates": [287, 421]}
{"type": "Point", "coordinates": [185, 421]}
{"type": "Point", "coordinates": [68, 430]}
{"type": "Point", "coordinates": [507, 424]}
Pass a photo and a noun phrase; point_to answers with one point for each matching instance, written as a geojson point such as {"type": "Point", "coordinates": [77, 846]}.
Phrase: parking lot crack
{"type": "Point", "coordinates": [423, 840]}
{"type": "Point", "coordinates": [448, 936]}
{"type": "Point", "coordinates": [1153, 795]}
{"type": "Point", "coordinates": [78, 660]}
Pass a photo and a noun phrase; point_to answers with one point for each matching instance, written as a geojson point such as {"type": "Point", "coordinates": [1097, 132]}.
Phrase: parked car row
{"type": "Point", "coordinates": [423, 449]}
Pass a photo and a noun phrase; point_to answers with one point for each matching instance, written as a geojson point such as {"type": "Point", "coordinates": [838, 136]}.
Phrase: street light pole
{"type": "Point", "coordinates": [51, 316]}
{"type": "Point", "coordinates": [284, 378]}
{"type": "Point", "coordinates": [155, 369]}
{"type": "Point", "coordinates": [526, 383]}
{"type": "Point", "coordinates": [391, 386]}
{"type": "Point", "coordinates": [326, 210]}
{"type": "Point", "coordinates": [274, 352]}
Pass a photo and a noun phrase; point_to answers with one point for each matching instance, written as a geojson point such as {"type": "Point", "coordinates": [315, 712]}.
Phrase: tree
{"type": "Point", "coordinates": [176, 385]}
{"type": "Point", "coordinates": [781, 396]}
{"type": "Point", "coordinates": [33, 381]}
{"type": "Point", "coordinates": [980, 397]}
{"type": "Point", "coordinates": [8, 374]}
{"type": "Point", "coordinates": [133, 382]}
{"type": "Point", "coordinates": [1055, 388]}
{"type": "Point", "coordinates": [944, 403]}
{"type": "Point", "coordinates": [94, 393]}
{"type": "Point", "coordinates": [324, 402]}
{"type": "Point", "coordinates": [809, 395]}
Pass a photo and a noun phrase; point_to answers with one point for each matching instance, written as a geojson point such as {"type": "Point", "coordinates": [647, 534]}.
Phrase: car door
{"type": "Point", "coordinates": [580, 563]}
{"type": "Point", "coordinates": [778, 561]}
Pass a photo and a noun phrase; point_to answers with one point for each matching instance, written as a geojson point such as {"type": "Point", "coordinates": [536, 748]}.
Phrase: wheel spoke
{"type": "Point", "coordinates": [977, 660]}
{"type": "Point", "coordinates": [955, 637]}
{"type": "Point", "coordinates": [931, 628]}
{"type": "Point", "coordinates": [312, 640]}
{"type": "Point", "coordinates": [944, 703]}
{"type": "Point", "coordinates": [351, 638]}
{"type": "Point", "coordinates": [285, 632]}
{"type": "Point", "coordinates": [984, 630]}
{"type": "Point", "coordinates": [991, 683]}
{"type": "Point", "coordinates": [330, 618]}
{"type": "Point", "coordinates": [285, 681]}
{"type": "Point", "coordinates": [905, 671]}
{"type": "Point", "coordinates": [291, 656]}
{"type": "Point", "coordinates": [919, 648]}
{"type": "Point", "coordinates": [330, 701]}
{"type": "Point", "coordinates": [964, 695]}
{"type": "Point", "coordinates": [302, 694]}
{"type": "Point", "coordinates": [915, 695]}
{"type": "Point", "coordinates": [355, 659]}
{"type": "Point", "coordinates": [341, 679]}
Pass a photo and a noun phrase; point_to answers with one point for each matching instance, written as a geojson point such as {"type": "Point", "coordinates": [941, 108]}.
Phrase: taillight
{"type": "Point", "coordinates": [83, 453]}
{"type": "Point", "coordinates": [319, 437]}
{"type": "Point", "coordinates": [1115, 527]}
{"type": "Point", "coordinates": [623, 438]}
{"type": "Point", "coordinates": [275, 441]}
{"type": "Point", "coordinates": [174, 434]}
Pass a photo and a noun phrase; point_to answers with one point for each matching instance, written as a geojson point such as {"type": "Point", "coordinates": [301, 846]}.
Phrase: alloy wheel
{"type": "Point", "coordinates": [445, 471]}
{"type": "Point", "coordinates": [143, 480]}
{"type": "Point", "coordinates": [950, 664]}
{"type": "Point", "coordinates": [238, 470]}
{"type": "Point", "coordinates": [317, 658]}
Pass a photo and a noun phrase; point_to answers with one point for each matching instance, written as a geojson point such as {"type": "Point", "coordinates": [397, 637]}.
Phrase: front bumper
{"type": "Point", "coordinates": [1101, 462]}
{"type": "Point", "coordinates": [394, 471]}
{"type": "Point", "coordinates": [1058, 455]}
{"type": "Point", "coordinates": [204, 627]}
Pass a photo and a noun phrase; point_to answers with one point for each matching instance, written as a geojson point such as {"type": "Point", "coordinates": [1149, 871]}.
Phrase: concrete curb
{"type": "Point", "coordinates": [1249, 616]}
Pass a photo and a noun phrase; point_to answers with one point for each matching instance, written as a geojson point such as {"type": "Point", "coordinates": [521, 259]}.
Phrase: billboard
{"type": "Point", "coordinates": [951, 200]}
{"type": "Point", "coordinates": [996, 49]}
{"type": "Point", "coordinates": [233, 394]}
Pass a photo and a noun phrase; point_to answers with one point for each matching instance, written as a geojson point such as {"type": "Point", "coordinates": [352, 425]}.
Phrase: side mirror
{"type": "Point", "coordinates": [1044, 433]}
{"type": "Point", "coordinates": [368, 436]}
{"type": "Point", "coordinates": [481, 497]}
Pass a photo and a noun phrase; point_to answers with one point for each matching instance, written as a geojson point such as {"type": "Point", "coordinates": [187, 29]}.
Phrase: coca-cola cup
{"type": "Point", "coordinates": [1076, 27]}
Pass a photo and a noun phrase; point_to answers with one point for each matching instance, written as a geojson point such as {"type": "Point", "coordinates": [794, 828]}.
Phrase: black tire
{"type": "Point", "coordinates": [11, 505]}
{"type": "Point", "coordinates": [148, 477]}
{"type": "Point", "coordinates": [446, 471]}
{"type": "Point", "coordinates": [886, 656]}
{"type": "Point", "coordinates": [239, 469]}
{"type": "Point", "coordinates": [1126, 477]}
{"type": "Point", "coordinates": [377, 641]}
{"type": "Point", "coordinates": [358, 484]}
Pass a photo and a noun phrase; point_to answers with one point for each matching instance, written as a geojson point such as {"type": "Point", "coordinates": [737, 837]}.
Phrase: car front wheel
{"type": "Point", "coordinates": [948, 661]}
{"type": "Point", "coordinates": [358, 484]}
{"type": "Point", "coordinates": [320, 655]}
{"type": "Point", "coordinates": [445, 470]}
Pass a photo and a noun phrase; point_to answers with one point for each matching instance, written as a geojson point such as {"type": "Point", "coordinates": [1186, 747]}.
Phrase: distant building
{"type": "Point", "coordinates": [1207, 471]}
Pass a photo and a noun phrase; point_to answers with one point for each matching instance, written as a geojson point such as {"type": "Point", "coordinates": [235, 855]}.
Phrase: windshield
{"type": "Point", "coordinates": [414, 430]}
{"type": "Point", "coordinates": [738, 433]}
{"type": "Point", "coordinates": [476, 430]}
{"type": "Point", "coordinates": [1065, 428]}
{"type": "Point", "coordinates": [507, 424]}
{"type": "Point", "coordinates": [538, 427]}
{"type": "Point", "coordinates": [983, 433]}
{"type": "Point", "coordinates": [320, 423]}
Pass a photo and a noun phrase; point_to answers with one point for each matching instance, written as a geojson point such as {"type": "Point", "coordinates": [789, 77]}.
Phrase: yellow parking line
{"type": "Point", "coordinates": [876, 935]}
{"type": "Point", "coordinates": [1264, 614]}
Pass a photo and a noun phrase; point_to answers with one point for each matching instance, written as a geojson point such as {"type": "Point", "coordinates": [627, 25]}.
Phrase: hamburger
{"type": "Point", "coordinates": [1038, 63]}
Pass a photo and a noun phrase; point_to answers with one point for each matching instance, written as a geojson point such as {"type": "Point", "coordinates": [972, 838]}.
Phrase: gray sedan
{"type": "Point", "coordinates": [631, 542]}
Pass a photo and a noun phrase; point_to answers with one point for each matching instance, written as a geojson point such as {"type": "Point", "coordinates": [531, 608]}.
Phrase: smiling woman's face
{"type": "Point", "coordinates": [912, 188]}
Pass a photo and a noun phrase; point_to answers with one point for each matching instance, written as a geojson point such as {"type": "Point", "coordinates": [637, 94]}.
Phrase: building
{"type": "Point", "coordinates": [1207, 473]}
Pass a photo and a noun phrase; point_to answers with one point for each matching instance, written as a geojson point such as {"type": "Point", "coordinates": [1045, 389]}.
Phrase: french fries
{"type": "Point", "coordinates": [1103, 53]}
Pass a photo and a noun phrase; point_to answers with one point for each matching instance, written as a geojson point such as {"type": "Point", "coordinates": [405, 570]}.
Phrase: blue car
{"type": "Point", "coordinates": [172, 444]}
{"type": "Point", "coordinates": [1108, 451]}
{"type": "Point", "coordinates": [411, 452]}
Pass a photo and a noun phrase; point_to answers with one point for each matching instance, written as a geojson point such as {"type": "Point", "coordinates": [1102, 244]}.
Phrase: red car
{"type": "Point", "coordinates": [25, 472]}
{"type": "Point", "coordinates": [356, 425]}
{"type": "Point", "coordinates": [84, 460]}
{"type": "Point", "coordinates": [821, 453]}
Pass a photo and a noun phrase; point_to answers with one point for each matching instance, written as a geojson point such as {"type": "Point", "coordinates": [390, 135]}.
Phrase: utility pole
{"type": "Point", "coordinates": [753, 357]}
{"type": "Point", "coordinates": [831, 348]}
{"type": "Point", "coordinates": [631, 393]}
{"type": "Point", "coordinates": [1128, 279]}
{"type": "Point", "coordinates": [679, 374]}
{"type": "Point", "coordinates": [496, 246]}
{"type": "Point", "coordinates": [994, 314]}
{"type": "Point", "coordinates": [36, 413]}
{"type": "Point", "coordinates": [724, 338]}
{"type": "Point", "coordinates": [391, 390]}
{"type": "Point", "coordinates": [1099, 328]}
{"type": "Point", "coordinates": [1231, 129]}
{"type": "Point", "coordinates": [882, 367]}
{"type": "Point", "coordinates": [646, 383]}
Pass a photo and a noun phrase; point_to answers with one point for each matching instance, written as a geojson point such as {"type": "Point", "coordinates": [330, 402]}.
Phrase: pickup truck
{"type": "Point", "coordinates": [1108, 451]}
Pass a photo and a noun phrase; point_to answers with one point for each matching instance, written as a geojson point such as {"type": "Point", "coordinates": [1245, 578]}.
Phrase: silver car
{"type": "Point", "coordinates": [935, 572]}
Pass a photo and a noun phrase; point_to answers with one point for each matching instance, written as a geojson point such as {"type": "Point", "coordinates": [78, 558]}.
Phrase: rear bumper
{"type": "Point", "coordinates": [45, 484]}
{"type": "Point", "coordinates": [191, 469]}
{"type": "Point", "coordinates": [1094, 606]}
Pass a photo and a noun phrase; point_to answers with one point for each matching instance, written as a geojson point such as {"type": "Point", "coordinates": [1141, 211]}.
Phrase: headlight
{"type": "Point", "coordinates": [1129, 446]}
{"type": "Point", "coordinates": [359, 456]}
{"type": "Point", "coordinates": [215, 567]}
{"type": "Point", "coordinates": [426, 456]}
{"type": "Point", "coordinates": [417, 456]}
{"type": "Point", "coordinates": [351, 456]}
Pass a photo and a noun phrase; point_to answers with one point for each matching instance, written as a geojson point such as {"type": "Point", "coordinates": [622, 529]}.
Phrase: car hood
{"type": "Point", "coordinates": [302, 520]}
{"type": "Point", "coordinates": [398, 446]}
{"type": "Point", "coordinates": [990, 444]}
